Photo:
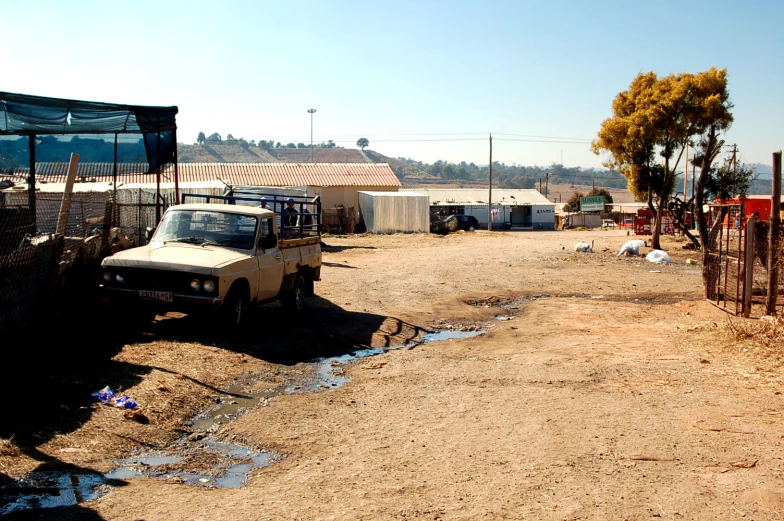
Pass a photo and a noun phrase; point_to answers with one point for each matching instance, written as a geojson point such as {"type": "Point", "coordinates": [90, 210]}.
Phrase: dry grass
{"type": "Point", "coordinates": [8, 448]}
{"type": "Point", "coordinates": [762, 340]}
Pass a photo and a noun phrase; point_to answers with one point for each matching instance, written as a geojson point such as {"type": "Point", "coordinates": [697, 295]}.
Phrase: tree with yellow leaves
{"type": "Point", "coordinates": [652, 123]}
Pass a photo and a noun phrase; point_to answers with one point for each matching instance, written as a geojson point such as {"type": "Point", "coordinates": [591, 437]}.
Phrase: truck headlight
{"type": "Point", "coordinates": [195, 284]}
{"type": "Point", "coordinates": [209, 286]}
{"type": "Point", "coordinates": [119, 278]}
{"type": "Point", "coordinates": [107, 276]}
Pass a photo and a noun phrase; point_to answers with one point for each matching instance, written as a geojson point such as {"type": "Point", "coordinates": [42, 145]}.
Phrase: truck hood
{"type": "Point", "coordinates": [175, 257]}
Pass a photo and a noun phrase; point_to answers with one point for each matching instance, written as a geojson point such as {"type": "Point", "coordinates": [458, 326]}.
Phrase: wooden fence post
{"type": "Point", "coordinates": [65, 204]}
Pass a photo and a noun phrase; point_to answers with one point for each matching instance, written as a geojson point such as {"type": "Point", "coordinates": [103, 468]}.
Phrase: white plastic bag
{"type": "Point", "coordinates": [631, 247]}
{"type": "Point", "coordinates": [583, 247]}
{"type": "Point", "coordinates": [658, 256]}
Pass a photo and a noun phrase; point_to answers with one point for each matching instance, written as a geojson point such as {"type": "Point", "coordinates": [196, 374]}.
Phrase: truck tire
{"type": "Point", "coordinates": [294, 299]}
{"type": "Point", "coordinates": [232, 312]}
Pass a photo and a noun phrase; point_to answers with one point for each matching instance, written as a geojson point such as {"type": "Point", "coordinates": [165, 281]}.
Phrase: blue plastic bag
{"type": "Point", "coordinates": [107, 397]}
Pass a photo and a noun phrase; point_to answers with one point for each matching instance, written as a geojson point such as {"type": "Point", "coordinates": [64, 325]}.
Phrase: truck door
{"type": "Point", "coordinates": [270, 265]}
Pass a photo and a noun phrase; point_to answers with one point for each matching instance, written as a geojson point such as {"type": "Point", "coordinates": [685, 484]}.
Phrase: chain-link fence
{"type": "Point", "coordinates": [33, 257]}
{"type": "Point", "coordinates": [28, 262]}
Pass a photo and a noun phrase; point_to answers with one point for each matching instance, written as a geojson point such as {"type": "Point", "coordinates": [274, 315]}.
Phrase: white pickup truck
{"type": "Point", "coordinates": [218, 258]}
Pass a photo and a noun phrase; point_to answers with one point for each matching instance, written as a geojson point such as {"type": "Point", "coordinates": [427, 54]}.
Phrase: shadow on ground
{"type": "Point", "coordinates": [327, 248]}
{"type": "Point", "coordinates": [47, 389]}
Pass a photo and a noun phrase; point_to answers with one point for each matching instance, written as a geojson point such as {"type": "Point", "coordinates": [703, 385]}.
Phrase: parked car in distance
{"type": "Point", "coordinates": [608, 223]}
{"type": "Point", "coordinates": [465, 222]}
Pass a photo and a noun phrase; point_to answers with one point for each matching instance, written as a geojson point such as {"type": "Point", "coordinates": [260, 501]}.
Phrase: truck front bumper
{"type": "Point", "coordinates": [180, 302]}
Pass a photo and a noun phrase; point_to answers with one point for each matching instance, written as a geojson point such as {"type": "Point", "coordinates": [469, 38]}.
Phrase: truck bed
{"type": "Point", "coordinates": [293, 243]}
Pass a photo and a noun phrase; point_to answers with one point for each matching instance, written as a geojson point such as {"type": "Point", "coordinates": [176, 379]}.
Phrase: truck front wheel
{"type": "Point", "coordinates": [294, 298]}
{"type": "Point", "coordinates": [234, 306]}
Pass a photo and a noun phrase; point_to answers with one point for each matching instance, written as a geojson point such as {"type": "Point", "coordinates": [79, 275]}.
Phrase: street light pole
{"type": "Point", "coordinates": [311, 111]}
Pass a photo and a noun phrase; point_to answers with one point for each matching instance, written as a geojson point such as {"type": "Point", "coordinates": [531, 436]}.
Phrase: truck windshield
{"type": "Point", "coordinates": [208, 227]}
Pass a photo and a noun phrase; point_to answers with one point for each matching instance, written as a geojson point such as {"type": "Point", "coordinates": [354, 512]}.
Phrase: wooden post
{"type": "Point", "coordinates": [490, 194]}
{"type": "Point", "coordinates": [65, 204]}
{"type": "Point", "coordinates": [546, 183]}
{"type": "Point", "coordinates": [773, 239]}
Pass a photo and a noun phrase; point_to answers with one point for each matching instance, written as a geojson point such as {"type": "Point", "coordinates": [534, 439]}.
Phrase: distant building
{"type": "Point", "coordinates": [514, 209]}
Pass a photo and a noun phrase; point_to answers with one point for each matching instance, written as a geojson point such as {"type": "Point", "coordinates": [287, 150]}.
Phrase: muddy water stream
{"type": "Point", "coordinates": [195, 459]}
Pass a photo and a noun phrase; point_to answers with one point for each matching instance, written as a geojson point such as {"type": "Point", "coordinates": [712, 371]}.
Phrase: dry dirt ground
{"type": "Point", "coordinates": [610, 390]}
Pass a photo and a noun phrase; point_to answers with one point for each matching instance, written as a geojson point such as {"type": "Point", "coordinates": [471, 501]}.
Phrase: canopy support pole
{"type": "Point", "coordinates": [31, 183]}
{"type": "Point", "coordinates": [115, 218]}
{"type": "Point", "coordinates": [176, 172]}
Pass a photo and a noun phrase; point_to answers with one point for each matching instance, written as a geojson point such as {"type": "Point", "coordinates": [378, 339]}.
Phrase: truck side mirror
{"type": "Point", "coordinates": [148, 233]}
{"type": "Point", "coordinates": [268, 241]}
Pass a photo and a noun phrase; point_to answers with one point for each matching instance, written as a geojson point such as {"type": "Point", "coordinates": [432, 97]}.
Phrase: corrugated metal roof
{"type": "Point", "coordinates": [471, 196]}
{"type": "Point", "coordinates": [262, 174]}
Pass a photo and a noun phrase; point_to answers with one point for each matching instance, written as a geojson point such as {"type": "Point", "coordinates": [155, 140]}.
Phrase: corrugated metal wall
{"type": "Point", "coordinates": [395, 212]}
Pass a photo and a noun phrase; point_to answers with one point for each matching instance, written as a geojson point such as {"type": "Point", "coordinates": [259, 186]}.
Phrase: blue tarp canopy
{"type": "Point", "coordinates": [25, 115]}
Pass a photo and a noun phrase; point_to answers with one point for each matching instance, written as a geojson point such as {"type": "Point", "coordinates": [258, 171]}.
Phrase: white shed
{"type": "Point", "coordinates": [392, 212]}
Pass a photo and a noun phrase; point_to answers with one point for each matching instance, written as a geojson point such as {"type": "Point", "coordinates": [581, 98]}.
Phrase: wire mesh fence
{"type": "Point", "coordinates": [33, 256]}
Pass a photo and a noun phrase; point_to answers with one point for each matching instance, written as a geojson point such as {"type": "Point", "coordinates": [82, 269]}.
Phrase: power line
{"type": "Point", "coordinates": [420, 134]}
{"type": "Point", "coordinates": [546, 141]}
{"type": "Point", "coordinates": [545, 137]}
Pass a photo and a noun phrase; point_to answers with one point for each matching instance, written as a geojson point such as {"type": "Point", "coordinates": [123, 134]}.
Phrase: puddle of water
{"type": "Point", "coordinates": [51, 489]}
{"type": "Point", "coordinates": [228, 464]}
{"type": "Point", "coordinates": [450, 335]}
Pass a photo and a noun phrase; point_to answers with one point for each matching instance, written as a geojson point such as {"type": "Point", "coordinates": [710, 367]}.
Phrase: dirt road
{"type": "Point", "coordinates": [603, 388]}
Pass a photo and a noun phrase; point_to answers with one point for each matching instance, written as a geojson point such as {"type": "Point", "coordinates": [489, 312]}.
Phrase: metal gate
{"type": "Point", "coordinates": [730, 259]}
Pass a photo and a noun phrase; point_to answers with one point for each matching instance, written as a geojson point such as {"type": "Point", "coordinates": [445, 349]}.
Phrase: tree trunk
{"type": "Point", "coordinates": [656, 231]}
{"type": "Point", "coordinates": [702, 224]}
{"type": "Point", "coordinates": [655, 215]}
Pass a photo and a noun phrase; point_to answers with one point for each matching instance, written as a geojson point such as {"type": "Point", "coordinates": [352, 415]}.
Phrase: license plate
{"type": "Point", "coordinates": [163, 296]}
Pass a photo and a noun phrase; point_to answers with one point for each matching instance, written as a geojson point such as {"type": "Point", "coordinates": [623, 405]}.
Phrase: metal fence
{"type": "Point", "coordinates": [737, 267]}
{"type": "Point", "coordinates": [726, 258]}
{"type": "Point", "coordinates": [33, 257]}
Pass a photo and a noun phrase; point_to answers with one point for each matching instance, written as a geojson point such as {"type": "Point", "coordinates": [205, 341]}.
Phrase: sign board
{"type": "Point", "coordinates": [594, 203]}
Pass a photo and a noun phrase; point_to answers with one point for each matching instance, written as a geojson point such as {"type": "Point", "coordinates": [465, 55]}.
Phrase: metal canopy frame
{"type": "Point", "coordinates": [26, 115]}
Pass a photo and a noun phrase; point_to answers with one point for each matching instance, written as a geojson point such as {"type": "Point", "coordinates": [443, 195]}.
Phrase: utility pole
{"type": "Point", "coordinates": [311, 111]}
{"type": "Point", "coordinates": [734, 159]}
{"type": "Point", "coordinates": [540, 185]}
{"type": "Point", "coordinates": [490, 194]}
{"type": "Point", "coordinates": [546, 182]}
{"type": "Point", "coordinates": [773, 240]}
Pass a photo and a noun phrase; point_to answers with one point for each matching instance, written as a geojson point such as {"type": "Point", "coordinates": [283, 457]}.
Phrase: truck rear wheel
{"type": "Point", "coordinates": [294, 298]}
{"type": "Point", "coordinates": [232, 312]}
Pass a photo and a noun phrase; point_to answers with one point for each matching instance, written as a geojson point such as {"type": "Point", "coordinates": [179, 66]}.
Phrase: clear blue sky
{"type": "Point", "coordinates": [399, 70]}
